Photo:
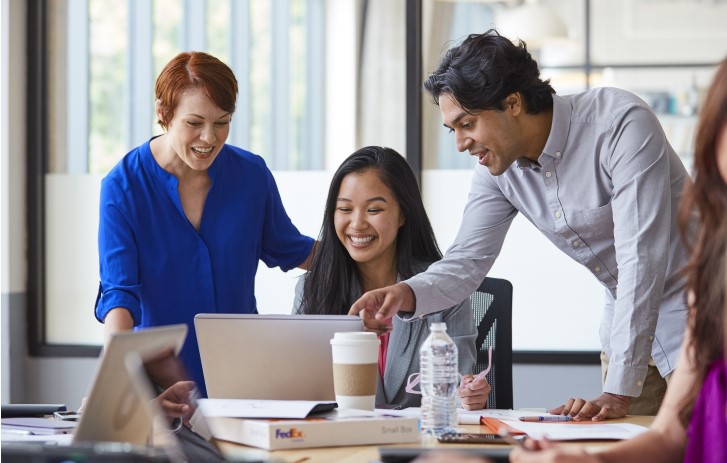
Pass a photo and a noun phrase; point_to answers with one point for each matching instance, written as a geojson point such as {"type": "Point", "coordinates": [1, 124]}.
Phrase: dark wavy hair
{"type": "Point", "coordinates": [486, 68]}
{"type": "Point", "coordinates": [327, 288]}
{"type": "Point", "coordinates": [706, 240]}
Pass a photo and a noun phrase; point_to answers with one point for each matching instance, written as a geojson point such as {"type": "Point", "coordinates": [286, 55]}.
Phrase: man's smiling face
{"type": "Point", "coordinates": [493, 136]}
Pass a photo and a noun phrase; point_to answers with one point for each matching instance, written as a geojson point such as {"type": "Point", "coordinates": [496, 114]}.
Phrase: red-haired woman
{"type": "Point", "coordinates": [185, 218]}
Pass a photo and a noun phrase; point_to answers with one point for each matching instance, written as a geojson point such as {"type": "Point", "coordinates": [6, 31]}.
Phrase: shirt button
{"type": "Point", "coordinates": [576, 243]}
{"type": "Point", "coordinates": [639, 383]}
{"type": "Point", "coordinates": [597, 269]}
{"type": "Point", "coordinates": [548, 174]}
{"type": "Point", "coordinates": [651, 338]}
{"type": "Point", "coordinates": [557, 154]}
{"type": "Point", "coordinates": [557, 214]}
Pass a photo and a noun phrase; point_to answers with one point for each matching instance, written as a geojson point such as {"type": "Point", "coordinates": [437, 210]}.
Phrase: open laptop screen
{"type": "Point", "coordinates": [269, 357]}
{"type": "Point", "coordinates": [112, 412]}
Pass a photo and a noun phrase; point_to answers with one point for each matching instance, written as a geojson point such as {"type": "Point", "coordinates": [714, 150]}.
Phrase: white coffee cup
{"type": "Point", "coordinates": [355, 369]}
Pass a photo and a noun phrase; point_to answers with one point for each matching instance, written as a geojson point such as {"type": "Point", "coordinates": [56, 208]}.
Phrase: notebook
{"type": "Point", "coordinates": [114, 410]}
{"type": "Point", "coordinates": [269, 357]}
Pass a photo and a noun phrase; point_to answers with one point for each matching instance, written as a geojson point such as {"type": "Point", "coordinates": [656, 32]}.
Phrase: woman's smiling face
{"type": "Point", "coordinates": [367, 218]}
{"type": "Point", "coordinates": [198, 129]}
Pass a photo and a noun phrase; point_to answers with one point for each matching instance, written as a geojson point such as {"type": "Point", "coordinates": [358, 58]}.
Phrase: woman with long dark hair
{"type": "Point", "coordinates": [376, 232]}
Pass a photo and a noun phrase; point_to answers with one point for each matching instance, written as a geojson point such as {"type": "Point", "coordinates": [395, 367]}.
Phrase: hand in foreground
{"type": "Point", "coordinates": [380, 327]}
{"type": "Point", "coordinates": [602, 407]}
{"type": "Point", "coordinates": [177, 400]}
{"type": "Point", "coordinates": [448, 456]}
{"type": "Point", "coordinates": [473, 392]}
{"type": "Point", "coordinates": [544, 451]}
{"type": "Point", "coordinates": [382, 304]}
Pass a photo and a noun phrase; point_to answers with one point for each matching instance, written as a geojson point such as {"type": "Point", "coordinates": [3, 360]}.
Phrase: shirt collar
{"type": "Point", "coordinates": [216, 164]}
{"type": "Point", "coordinates": [166, 177]}
{"type": "Point", "coordinates": [147, 158]}
{"type": "Point", "coordinates": [562, 110]}
{"type": "Point", "coordinates": [527, 163]}
{"type": "Point", "coordinates": [555, 144]}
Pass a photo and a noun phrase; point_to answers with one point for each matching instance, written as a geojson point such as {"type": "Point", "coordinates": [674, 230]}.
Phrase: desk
{"type": "Point", "coordinates": [367, 453]}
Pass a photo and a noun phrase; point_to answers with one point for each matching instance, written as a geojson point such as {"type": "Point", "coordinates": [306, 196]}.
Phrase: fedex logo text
{"type": "Point", "coordinates": [292, 434]}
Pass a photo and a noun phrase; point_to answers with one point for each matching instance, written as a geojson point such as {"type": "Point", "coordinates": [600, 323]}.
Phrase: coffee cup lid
{"type": "Point", "coordinates": [355, 336]}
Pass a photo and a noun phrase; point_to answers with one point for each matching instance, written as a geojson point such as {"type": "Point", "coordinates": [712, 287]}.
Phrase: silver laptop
{"type": "Point", "coordinates": [114, 410]}
{"type": "Point", "coordinates": [269, 357]}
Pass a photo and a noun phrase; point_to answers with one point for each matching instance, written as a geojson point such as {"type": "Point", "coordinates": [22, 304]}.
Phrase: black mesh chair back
{"type": "Point", "coordinates": [492, 309]}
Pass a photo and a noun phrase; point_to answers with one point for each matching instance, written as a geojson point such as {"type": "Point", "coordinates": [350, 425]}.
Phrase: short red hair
{"type": "Point", "coordinates": [194, 69]}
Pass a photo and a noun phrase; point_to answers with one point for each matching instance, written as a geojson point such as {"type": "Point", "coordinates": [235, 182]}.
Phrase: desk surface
{"type": "Point", "coordinates": [368, 453]}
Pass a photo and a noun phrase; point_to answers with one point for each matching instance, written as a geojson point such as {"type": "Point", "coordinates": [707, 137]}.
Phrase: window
{"type": "Point", "coordinates": [665, 52]}
{"type": "Point", "coordinates": [92, 101]}
{"type": "Point", "coordinates": [103, 99]}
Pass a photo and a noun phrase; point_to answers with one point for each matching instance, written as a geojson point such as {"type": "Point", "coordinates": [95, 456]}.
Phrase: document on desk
{"type": "Point", "coordinates": [589, 430]}
{"type": "Point", "coordinates": [470, 416]}
{"type": "Point", "coordinates": [243, 408]}
{"type": "Point", "coordinates": [36, 426]}
{"type": "Point", "coordinates": [50, 439]}
{"type": "Point", "coordinates": [474, 416]}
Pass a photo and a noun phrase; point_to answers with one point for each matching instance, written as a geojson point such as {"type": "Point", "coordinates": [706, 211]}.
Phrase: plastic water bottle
{"type": "Point", "coordinates": [439, 381]}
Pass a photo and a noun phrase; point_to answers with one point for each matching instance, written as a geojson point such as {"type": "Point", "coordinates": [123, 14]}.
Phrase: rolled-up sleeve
{"type": "Point", "coordinates": [118, 261]}
{"type": "Point", "coordinates": [282, 244]}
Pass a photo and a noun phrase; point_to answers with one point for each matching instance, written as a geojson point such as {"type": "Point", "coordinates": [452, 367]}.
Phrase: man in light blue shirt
{"type": "Point", "coordinates": [595, 173]}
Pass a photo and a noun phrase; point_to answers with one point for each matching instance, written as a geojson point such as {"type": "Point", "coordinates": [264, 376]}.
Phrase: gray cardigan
{"type": "Point", "coordinates": [407, 336]}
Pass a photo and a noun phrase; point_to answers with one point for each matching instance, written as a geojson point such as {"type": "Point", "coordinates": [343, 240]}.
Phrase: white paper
{"type": "Point", "coordinates": [58, 439]}
{"type": "Point", "coordinates": [470, 416]}
{"type": "Point", "coordinates": [473, 416]}
{"type": "Point", "coordinates": [408, 412]}
{"type": "Point", "coordinates": [575, 431]}
{"type": "Point", "coordinates": [242, 408]}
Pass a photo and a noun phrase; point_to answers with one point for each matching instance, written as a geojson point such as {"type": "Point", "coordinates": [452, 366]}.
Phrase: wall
{"type": "Point", "coordinates": [14, 231]}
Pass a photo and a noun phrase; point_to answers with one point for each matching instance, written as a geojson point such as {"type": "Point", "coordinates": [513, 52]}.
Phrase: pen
{"type": "Point", "coordinates": [537, 419]}
{"type": "Point", "coordinates": [480, 376]}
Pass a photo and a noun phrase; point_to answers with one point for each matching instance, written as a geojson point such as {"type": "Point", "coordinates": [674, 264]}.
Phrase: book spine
{"type": "Point", "coordinates": [247, 432]}
{"type": "Point", "coordinates": [291, 435]}
{"type": "Point", "coordinates": [279, 435]}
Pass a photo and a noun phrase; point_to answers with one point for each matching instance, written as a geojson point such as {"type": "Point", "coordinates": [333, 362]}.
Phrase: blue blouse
{"type": "Point", "coordinates": [155, 264]}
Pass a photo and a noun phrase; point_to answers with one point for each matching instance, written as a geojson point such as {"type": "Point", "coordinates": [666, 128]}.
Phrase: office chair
{"type": "Point", "coordinates": [492, 310]}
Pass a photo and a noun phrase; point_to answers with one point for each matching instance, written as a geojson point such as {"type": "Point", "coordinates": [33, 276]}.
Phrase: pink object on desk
{"type": "Point", "coordinates": [414, 378]}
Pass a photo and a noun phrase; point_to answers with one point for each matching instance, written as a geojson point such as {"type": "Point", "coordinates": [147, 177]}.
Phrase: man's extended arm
{"type": "Point", "coordinates": [487, 217]}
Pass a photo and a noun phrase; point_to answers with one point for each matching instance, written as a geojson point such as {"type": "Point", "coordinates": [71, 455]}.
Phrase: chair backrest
{"type": "Point", "coordinates": [492, 309]}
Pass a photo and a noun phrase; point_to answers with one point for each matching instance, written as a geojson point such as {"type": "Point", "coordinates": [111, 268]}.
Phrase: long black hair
{"type": "Point", "coordinates": [485, 69]}
{"type": "Point", "coordinates": [328, 285]}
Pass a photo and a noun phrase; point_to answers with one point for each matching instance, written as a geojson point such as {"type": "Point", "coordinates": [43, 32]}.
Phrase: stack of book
{"type": "Point", "coordinates": [342, 427]}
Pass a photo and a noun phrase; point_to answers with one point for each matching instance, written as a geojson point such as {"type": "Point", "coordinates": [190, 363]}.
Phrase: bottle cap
{"type": "Point", "coordinates": [438, 326]}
